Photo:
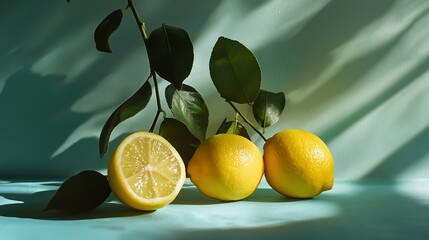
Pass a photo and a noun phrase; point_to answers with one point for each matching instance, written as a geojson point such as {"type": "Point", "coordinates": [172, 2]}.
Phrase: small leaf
{"type": "Point", "coordinates": [171, 54]}
{"type": "Point", "coordinates": [234, 71]}
{"type": "Point", "coordinates": [82, 192]}
{"type": "Point", "coordinates": [68, 1]}
{"type": "Point", "coordinates": [179, 136]}
{"type": "Point", "coordinates": [129, 108]}
{"type": "Point", "coordinates": [189, 107]}
{"type": "Point", "coordinates": [105, 29]}
{"type": "Point", "coordinates": [268, 107]}
{"type": "Point", "coordinates": [233, 127]}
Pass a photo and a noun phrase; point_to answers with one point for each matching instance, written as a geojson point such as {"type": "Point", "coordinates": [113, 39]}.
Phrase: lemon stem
{"type": "Point", "coordinates": [142, 27]}
{"type": "Point", "coordinates": [246, 120]}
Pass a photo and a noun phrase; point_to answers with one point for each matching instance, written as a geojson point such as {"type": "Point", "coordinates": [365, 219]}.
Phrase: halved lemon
{"type": "Point", "coordinates": [146, 172]}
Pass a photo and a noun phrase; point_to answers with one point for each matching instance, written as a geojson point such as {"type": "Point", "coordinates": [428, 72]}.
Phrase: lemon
{"type": "Point", "coordinates": [145, 171]}
{"type": "Point", "coordinates": [226, 167]}
{"type": "Point", "coordinates": [298, 164]}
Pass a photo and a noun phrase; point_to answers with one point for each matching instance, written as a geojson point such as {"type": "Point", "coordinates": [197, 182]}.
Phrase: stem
{"type": "Point", "coordinates": [158, 103]}
{"type": "Point", "coordinates": [143, 33]}
{"type": "Point", "coordinates": [246, 120]}
{"type": "Point", "coordinates": [235, 121]}
{"type": "Point", "coordinates": [139, 22]}
{"type": "Point", "coordinates": [154, 121]}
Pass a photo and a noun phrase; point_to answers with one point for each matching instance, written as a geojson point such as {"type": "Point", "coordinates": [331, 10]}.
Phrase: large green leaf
{"type": "Point", "coordinates": [188, 106]}
{"type": "Point", "coordinates": [235, 71]}
{"type": "Point", "coordinates": [268, 107]}
{"type": "Point", "coordinates": [233, 127]}
{"type": "Point", "coordinates": [105, 29]}
{"type": "Point", "coordinates": [171, 54]}
{"type": "Point", "coordinates": [129, 108]}
{"type": "Point", "coordinates": [82, 192]}
{"type": "Point", "coordinates": [180, 137]}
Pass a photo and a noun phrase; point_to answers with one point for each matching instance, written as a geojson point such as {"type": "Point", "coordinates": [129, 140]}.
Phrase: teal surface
{"type": "Point", "coordinates": [352, 210]}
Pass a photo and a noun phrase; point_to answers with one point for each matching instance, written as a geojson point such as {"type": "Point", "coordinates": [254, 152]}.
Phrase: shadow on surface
{"type": "Point", "coordinates": [32, 206]}
{"type": "Point", "coordinates": [190, 195]}
{"type": "Point", "coordinates": [375, 211]}
{"type": "Point", "coordinates": [267, 195]}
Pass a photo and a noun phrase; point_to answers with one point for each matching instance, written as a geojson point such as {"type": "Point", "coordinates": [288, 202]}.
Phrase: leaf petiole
{"type": "Point", "coordinates": [246, 120]}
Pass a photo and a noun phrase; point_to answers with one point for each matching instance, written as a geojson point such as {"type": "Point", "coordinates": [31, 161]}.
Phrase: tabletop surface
{"type": "Point", "coordinates": [351, 210]}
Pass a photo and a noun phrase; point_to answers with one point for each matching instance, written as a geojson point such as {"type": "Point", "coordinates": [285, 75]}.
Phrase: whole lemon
{"type": "Point", "coordinates": [226, 167]}
{"type": "Point", "coordinates": [298, 164]}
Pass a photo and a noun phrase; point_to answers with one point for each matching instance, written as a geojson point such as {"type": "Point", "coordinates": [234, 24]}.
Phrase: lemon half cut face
{"type": "Point", "coordinates": [145, 171]}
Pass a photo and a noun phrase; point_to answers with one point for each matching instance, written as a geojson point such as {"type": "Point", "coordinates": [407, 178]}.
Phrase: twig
{"type": "Point", "coordinates": [247, 121]}
{"type": "Point", "coordinates": [142, 28]}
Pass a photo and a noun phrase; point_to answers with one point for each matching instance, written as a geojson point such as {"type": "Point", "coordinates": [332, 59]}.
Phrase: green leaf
{"type": "Point", "coordinates": [233, 127]}
{"type": "Point", "coordinates": [180, 137]}
{"type": "Point", "coordinates": [171, 54]}
{"type": "Point", "coordinates": [105, 29]}
{"type": "Point", "coordinates": [82, 192]}
{"type": "Point", "coordinates": [268, 107]}
{"type": "Point", "coordinates": [129, 108]}
{"type": "Point", "coordinates": [188, 106]}
{"type": "Point", "coordinates": [234, 71]}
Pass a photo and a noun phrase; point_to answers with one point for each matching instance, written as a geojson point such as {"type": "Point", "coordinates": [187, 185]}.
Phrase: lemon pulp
{"type": "Point", "coordinates": [145, 171]}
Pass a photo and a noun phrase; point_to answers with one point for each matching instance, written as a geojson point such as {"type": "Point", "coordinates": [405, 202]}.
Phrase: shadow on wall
{"type": "Point", "coordinates": [47, 74]}
{"type": "Point", "coordinates": [35, 101]}
{"type": "Point", "coordinates": [309, 52]}
{"type": "Point", "coordinates": [317, 64]}
{"type": "Point", "coordinates": [52, 64]}
{"type": "Point", "coordinates": [36, 118]}
{"type": "Point", "coordinates": [37, 95]}
{"type": "Point", "coordinates": [411, 153]}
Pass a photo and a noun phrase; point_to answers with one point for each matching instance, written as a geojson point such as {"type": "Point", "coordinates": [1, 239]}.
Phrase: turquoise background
{"type": "Point", "coordinates": [354, 72]}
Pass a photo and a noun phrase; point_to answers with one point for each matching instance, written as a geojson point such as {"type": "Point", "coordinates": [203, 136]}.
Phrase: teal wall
{"type": "Point", "coordinates": [354, 72]}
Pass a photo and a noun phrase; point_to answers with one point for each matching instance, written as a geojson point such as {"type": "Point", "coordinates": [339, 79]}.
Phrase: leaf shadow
{"type": "Point", "coordinates": [408, 155]}
{"type": "Point", "coordinates": [35, 109]}
{"type": "Point", "coordinates": [310, 49]}
{"type": "Point", "coordinates": [38, 100]}
{"type": "Point", "coordinates": [346, 79]}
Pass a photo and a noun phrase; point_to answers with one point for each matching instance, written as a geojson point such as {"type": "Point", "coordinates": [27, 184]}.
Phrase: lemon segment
{"type": "Point", "coordinates": [145, 171]}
